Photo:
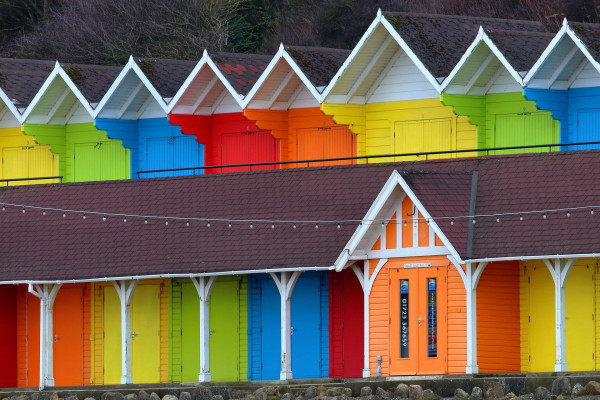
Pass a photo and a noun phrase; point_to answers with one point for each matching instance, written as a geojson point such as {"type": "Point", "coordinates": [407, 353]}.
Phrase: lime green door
{"type": "Point", "coordinates": [112, 336]}
{"type": "Point", "coordinates": [580, 330]}
{"type": "Point", "coordinates": [542, 337]}
{"type": "Point", "coordinates": [145, 334]}
{"type": "Point", "coordinates": [224, 330]}
{"type": "Point", "coordinates": [525, 129]}
{"type": "Point", "coordinates": [190, 333]}
{"type": "Point", "coordinates": [100, 161]}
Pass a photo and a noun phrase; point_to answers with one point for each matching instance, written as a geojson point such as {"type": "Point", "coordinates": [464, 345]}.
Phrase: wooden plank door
{"type": "Point", "coordinates": [580, 329]}
{"type": "Point", "coordinates": [68, 336]}
{"type": "Point", "coordinates": [437, 136]}
{"type": "Point", "coordinates": [145, 334]}
{"type": "Point", "coordinates": [224, 330]}
{"type": "Point", "coordinates": [542, 337]}
{"type": "Point", "coordinates": [190, 333]}
{"type": "Point", "coordinates": [588, 129]}
{"type": "Point", "coordinates": [352, 325]}
{"type": "Point", "coordinates": [112, 336]}
{"type": "Point", "coordinates": [270, 329]}
{"type": "Point", "coordinates": [306, 315]}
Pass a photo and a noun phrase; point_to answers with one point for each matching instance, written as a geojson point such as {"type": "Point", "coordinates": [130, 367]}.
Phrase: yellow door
{"type": "Point", "coordinates": [580, 331]}
{"type": "Point", "coordinates": [42, 162]}
{"type": "Point", "coordinates": [28, 162]}
{"type": "Point", "coordinates": [112, 336]}
{"type": "Point", "coordinates": [437, 136]}
{"type": "Point", "coordinates": [542, 338]}
{"type": "Point", "coordinates": [423, 136]}
{"type": "Point", "coordinates": [408, 138]}
{"type": "Point", "coordinates": [145, 334]}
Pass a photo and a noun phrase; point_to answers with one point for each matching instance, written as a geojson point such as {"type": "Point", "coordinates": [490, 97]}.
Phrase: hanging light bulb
{"type": "Point", "coordinates": [473, 221]}
{"type": "Point", "coordinates": [3, 208]}
{"type": "Point", "coordinates": [521, 217]}
{"type": "Point", "coordinates": [251, 225]}
{"type": "Point", "coordinates": [272, 226]}
{"type": "Point", "coordinates": [316, 226]}
{"type": "Point", "coordinates": [592, 211]}
{"type": "Point", "coordinates": [294, 225]}
{"type": "Point", "coordinates": [208, 224]}
{"type": "Point", "coordinates": [187, 223]}
{"type": "Point", "coordinates": [166, 222]}
{"type": "Point", "coordinates": [83, 216]}
{"type": "Point", "coordinates": [451, 222]}
{"type": "Point", "coordinates": [64, 214]}
{"type": "Point", "coordinates": [545, 216]}
{"type": "Point", "coordinates": [23, 210]}
{"type": "Point", "coordinates": [229, 224]}
{"type": "Point", "coordinates": [104, 218]}
{"type": "Point", "coordinates": [43, 212]}
{"type": "Point", "coordinates": [568, 213]}
{"type": "Point", "coordinates": [125, 219]}
{"type": "Point", "coordinates": [338, 226]}
{"type": "Point", "coordinates": [146, 221]}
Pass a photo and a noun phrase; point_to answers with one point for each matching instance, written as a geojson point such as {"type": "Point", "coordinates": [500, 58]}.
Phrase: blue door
{"type": "Point", "coordinates": [306, 335]}
{"type": "Point", "coordinates": [270, 330]}
{"type": "Point", "coordinates": [173, 152]}
{"type": "Point", "coordinates": [588, 128]}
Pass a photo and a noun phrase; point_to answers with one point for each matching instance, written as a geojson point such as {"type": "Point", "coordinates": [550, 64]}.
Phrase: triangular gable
{"type": "Point", "coordinates": [10, 117]}
{"type": "Point", "coordinates": [131, 96]}
{"type": "Point", "coordinates": [565, 63]}
{"type": "Point", "coordinates": [387, 203]}
{"type": "Point", "coordinates": [58, 102]}
{"type": "Point", "coordinates": [280, 84]}
{"type": "Point", "coordinates": [380, 50]}
{"type": "Point", "coordinates": [204, 90]}
{"type": "Point", "coordinates": [480, 67]}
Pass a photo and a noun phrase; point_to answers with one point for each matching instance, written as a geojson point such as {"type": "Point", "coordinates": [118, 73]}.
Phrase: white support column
{"type": "Point", "coordinates": [47, 294]}
{"type": "Point", "coordinates": [204, 287]}
{"type": "Point", "coordinates": [125, 291]}
{"type": "Point", "coordinates": [560, 270]}
{"type": "Point", "coordinates": [367, 284]}
{"type": "Point", "coordinates": [471, 280]}
{"type": "Point", "coordinates": [285, 283]}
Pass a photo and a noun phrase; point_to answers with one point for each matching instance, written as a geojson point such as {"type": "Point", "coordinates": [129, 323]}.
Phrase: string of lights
{"type": "Point", "coordinates": [84, 214]}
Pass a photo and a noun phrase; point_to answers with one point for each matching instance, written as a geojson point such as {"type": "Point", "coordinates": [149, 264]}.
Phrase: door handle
{"type": "Point", "coordinates": [133, 335]}
{"type": "Point", "coordinates": [292, 330]}
{"type": "Point", "coordinates": [210, 332]}
{"type": "Point", "coordinates": [419, 321]}
{"type": "Point", "coordinates": [55, 338]}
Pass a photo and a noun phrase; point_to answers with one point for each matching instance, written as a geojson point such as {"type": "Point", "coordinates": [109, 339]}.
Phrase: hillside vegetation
{"type": "Point", "coordinates": [108, 31]}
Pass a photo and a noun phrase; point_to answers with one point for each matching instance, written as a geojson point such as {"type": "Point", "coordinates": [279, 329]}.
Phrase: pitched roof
{"type": "Point", "coordinates": [166, 75]}
{"type": "Point", "coordinates": [589, 35]}
{"type": "Point", "coordinates": [319, 64]}
{"type": "Point", "coordinates": [92, 80]}
{"type": "Point", "coordinates": [521, 48]}
{"type": "Point", "coordinates": [49, 247]}
{"type": "Point", "coordinates": [440, 40]}
{"type": "Point", "coordinates": [241, 70]}
{"type": "Point", "coordinates": [21, 79]}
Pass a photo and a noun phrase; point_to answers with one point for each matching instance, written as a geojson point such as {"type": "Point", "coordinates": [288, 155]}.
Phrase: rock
{"type": "Point", "coordinates": [334, 392]}
{"type": "Point", "coordinates": [366, 391]}
{"type": "Point", "coordinates": [561, 385]}
{"type": "Point", "coordinates": [322, 391]}
{"type": "Point", "coordinates": [310, 392]}
{"type": "Point", "coordinates": [493, 390]}
{"type": "Point", "coordinates": [540, 393]}
{"type": "Point", "coordinates": [113, 396]}
{"type": "Point", "coordinates": [89, 398]}
{"type": "Point", "coordinates": [153, 396]}
{"type": "Point", "coordinates": [510, 395]}
{"type": "Point", "coordinates": [415, 392]}
{"type": "Point", "coordinates": [217, 397]}
{"type": "Point", "coordinates": [401, 391]}
{"type": "Point", "coordinates": [72, 397]}
{"type": "Point", "coordinates": [143, 395]}
{"type": "Point", "coordinates": [201, 393]}
{"type": "Point", "coordinates": [54, 396]}
{"type": "Point", "coordinates": [40, 396]}
{"type": "Point", "coordinates": [591, 389]}
{"type": "Point", "coordinates": [183, 396]}
{"type": "Point", "coordinates": [131, 396]}
{"type": "Point", "coordinates": [166, 397]}
{"type": "Point", "coordinates": [235, 394]}
{"type": "Point", "coordinates": [384, 394]}
{"type": "Point", "coordinates": [528, 396]}
{"type": "Point", "coordinates": [286, 396]}
{"type": "Point", "coordinates": [460, 394]}
{"type": "Point", "coordinates": [348, 392]}
{"type": "Point", "coordinates": [577, 389]}
{"type": "Point", "coordinates": [428, 394]}
{"type": "Point", "coordinates": [476, 393]}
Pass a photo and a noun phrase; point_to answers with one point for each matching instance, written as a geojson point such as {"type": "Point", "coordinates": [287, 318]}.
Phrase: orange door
{"type": "Point", "coordinates": [32, 363]}
{"type": "Point", "coordinates": [68, 336]}
{"type": "Point", "coordinates": [418, 321]}
{"type": "Point", "coordinates": [320, 143]}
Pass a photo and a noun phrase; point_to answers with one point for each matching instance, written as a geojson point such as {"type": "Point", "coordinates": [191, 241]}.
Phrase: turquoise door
{"type": "Point", "coordinates": [306, 343]}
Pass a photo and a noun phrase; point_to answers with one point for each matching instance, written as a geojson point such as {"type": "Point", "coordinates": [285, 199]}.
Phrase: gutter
{"type": "Point", "coordinates": [526, 258]}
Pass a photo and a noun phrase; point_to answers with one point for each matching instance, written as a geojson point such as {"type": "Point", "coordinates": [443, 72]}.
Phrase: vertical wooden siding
{"type": "Point", "coordinates": [8, 336]}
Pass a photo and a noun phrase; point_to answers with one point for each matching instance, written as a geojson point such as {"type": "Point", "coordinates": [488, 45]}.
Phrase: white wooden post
{"type": "Point", "coordinates": [285, 283]}
{"type": "Point", "coordinates": [471, 280]}
{"type": "Point", "coordinates": [47, 294]}
{"type": "Point", "coordinates": [125, 291]}
{"type": "Point", "coordinates": [367, 284]}
{"type": "Point", "coordinates": [204, 287]}
{"type": "Point", "coordinates": [560, 272]}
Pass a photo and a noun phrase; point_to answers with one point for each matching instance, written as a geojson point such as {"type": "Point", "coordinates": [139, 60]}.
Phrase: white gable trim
{"type": "Point", "coordinates": [9, 104]}
{"type": "Point", "coordinates": [281, 54]}
{"type": "Point", "coordinates": [565, 30]}
{"type": "Point", "coordinates": [481, 37]}
{"type": "Point", "coordinates": [384, 195]}
{"type": "Point", "coordinates": [205, 60]}
{"type": "Point", "coordinates": [130, 66]}
{"type": "Point", "coordinates": [57, 71]}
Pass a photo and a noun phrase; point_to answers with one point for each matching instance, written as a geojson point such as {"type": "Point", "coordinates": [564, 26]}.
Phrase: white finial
{"type": "Point", "coordinates": [379, 13]}
{"type": "Point", "coordinates": [565, 22]}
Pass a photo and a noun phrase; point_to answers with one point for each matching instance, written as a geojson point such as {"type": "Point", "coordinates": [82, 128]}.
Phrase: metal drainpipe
{"type": "Point", "coordinates": [378, 366]}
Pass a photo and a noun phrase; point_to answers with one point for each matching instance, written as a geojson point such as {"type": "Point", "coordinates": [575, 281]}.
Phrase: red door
{"type": "Point", "coordinates": [347, 332]}
{"type": "Point", "coordinates": [8, 336]}
{"type": "Point", "coordinates": [248, 148]}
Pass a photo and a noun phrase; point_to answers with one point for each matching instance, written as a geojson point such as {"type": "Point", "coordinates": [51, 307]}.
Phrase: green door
{"type": "Point", "coordinates": [100, 161]}
{"type": "Point", "coordinates": [190, 333]}
{"type": "Point", "coordinates": [224, 331]}
{"type": "Point", "coordinates": [525, 129]}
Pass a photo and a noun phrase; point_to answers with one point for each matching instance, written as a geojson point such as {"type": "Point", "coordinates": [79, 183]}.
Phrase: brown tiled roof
{"type": "Point", "coordinates": [319, 64]}
{"type": "Point", "coordinates": [522, 49]}
{"type": "Point", "coordinates": [590, 35]}
{"type": "Point", "coordinates": [241, 70]}
{"type": "Point", "coordinates": [166, 75]}
{"type": "Point", "coordinates": [92, 80]}
{"type": "Point", "coordinates": [52, 247]}
{"type": "Point", "coordinates": [440, 40]}
{"type": "Point", "coordinates": [21, 79]}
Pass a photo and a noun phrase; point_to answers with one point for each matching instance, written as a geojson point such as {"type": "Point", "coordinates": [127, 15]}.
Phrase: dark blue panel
{"type": "Point", "coordinates": [270, 330]}
{"type": "Point", "coordinates": [306, 336]}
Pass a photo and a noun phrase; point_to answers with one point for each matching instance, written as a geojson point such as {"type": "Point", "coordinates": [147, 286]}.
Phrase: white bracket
{"type": "Point", "coordinates": [204, 286]}
{"type": "Point", "coordinates": [125, 292]}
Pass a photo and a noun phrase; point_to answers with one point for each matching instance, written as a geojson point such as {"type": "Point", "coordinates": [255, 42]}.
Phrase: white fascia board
{"type": "Point", "coordinates": [384, 195]}
{"type": "Point", "coordinates": [540, 257]}
{"type": "Point", "coordinates": [416, 60]}
{"type": "Point", "coordinates": [352, 55]}
{"type": "Point", "coordinates": [188, 82]}
{"type": "Point", "coordinates": [8, 102]}
{"type": "Point", "coordinates": [38, 96]}
{"type": "Point", "coordinates": [166, 276]}
{"type": "Point", "coordinates": [264, 76]}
